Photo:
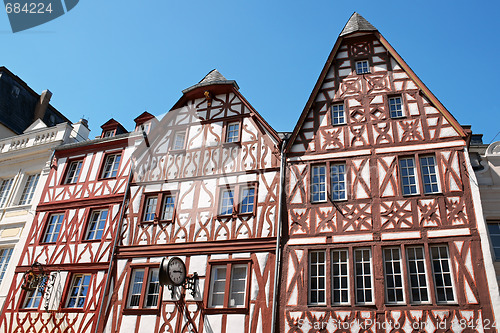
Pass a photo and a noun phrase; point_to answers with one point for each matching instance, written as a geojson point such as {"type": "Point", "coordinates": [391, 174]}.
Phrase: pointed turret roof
{"type": "Point", "coordinates": [357, 23]}
{"type": "Point", "coordinates": [214, 77]}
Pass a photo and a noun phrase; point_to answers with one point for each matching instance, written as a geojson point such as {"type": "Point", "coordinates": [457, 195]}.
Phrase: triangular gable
{"type": "Point", "coordinates": [365, 29]}
{"type": "Point", "coordinates": [37, 124]}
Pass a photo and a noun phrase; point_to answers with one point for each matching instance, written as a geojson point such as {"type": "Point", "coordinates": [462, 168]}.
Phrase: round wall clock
{"type": "Point", "coordinates": [172, 272]}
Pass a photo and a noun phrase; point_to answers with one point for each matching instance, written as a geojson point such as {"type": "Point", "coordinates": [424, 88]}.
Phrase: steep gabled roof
{"type": "Point", "coordinates": [357, 23]}
{"type": "Point", "coordinates": [214, 77]}
{"type": "Point", "coordinates": [361, 24]}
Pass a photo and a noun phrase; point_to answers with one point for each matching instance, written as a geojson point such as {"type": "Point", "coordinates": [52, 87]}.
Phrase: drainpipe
{"type": "Point", "coordinates": [113, 252]}
{"type": "Point", "coordinates": [278, 238]}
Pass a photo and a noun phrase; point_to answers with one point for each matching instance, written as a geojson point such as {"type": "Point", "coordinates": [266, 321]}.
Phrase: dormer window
{"type": "Point", "coordinates": [362, 67]}
{"type": "Point", "coordinates": [143, 128]}
{"type": "Point", "coordinates": [109, 134]}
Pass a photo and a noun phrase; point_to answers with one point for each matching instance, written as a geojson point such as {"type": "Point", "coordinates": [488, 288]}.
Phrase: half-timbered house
{"type": "Point", "coordinates": [205, 190]}
{"type": "Point", "coordinates": [62, 271]}
{"type": "Point", "coordinates": [383, 231]}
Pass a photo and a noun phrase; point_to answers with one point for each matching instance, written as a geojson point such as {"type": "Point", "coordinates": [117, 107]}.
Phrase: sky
{"type": "Point", "coordinates": [116, 59]}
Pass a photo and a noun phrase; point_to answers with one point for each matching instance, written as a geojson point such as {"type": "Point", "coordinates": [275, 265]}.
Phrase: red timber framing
{"type": "Point", "coordinates": [209, 200]}
{"type": "Point", "coordinates": [72, 237]}
{"type": "Point", "coordinates": [382, 226]}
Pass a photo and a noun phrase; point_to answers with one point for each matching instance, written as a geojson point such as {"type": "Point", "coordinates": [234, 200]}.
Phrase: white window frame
{"type": "Point", "coordinates": [247, 204]}
{"type": "Point", "coordinates": [414, 176]}
{"type": "Point", "coordinates": [336, 119]}
{"type": "Point", "coordinates": [394, 98]}
{"type": "Point", "coordinates": [5, 255]}
{"type": "Point", "coordinates": [34, 297]}
{"type": "Point", "coordinates": [362, 63]}
{"type": "Point", "coordinates": [153, 281]}
{"type": "Point", "coordinates": [316, 186]}
{"type": "Point", "coordinates": [132, 284]}
{"type": "Point", "coordinates": [81, 286]}
{"type": "Point", "coordinates": [168, 214]}
{"type": "Point", "coordinates": [333, 167]}
{"type": "Point", "coordinates": [434, 273]}
{"type": "Point", "coordinates": [29, 189]}
{"type": "Point", "coordinates": [318, 278]}
{"type": "Point", "coordinates": [150, 208]}
{"type": "Point", "coordinates": [109, 134]}
{"type": "Point", "coordinates": [55, 231]}
{"type": "Point", "coordinates": [435, 174]}
{"type": "Point", "coordinates": [363, 274]}
{"type": "Point", "coordinates": [494, 233]}
{"type": "Point", "coordinates": [73, 173]}
{"type": "Point", "coordinates": [111, 166]}
{"type": "Point", "coordinates": [341, 276]}
{"type": "Point", "coordinates": [418, 273]}
{"type": "Point", "coordinates": [96, 224]}
{"type": "Point", "coordinates": [223, 207]}
{"type": "Point", "coordinates": [5, 188]}
{"type": "Point", "coordinates": [393, 262]}
{"type": "Point", "coordinates": [232, 138]}
{"type": "Point", "coordinates": [175, 143]}
{"type": "Point", "coordinates": [228, 280]}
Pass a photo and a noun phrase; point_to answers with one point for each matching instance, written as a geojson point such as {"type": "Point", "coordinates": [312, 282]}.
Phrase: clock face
{"type": "Point", "coordinates": [176, 271]}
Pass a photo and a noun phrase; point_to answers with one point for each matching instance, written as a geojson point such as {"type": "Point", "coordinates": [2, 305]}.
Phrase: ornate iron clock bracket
{"type": "Point", "coordinates": [190, 284]}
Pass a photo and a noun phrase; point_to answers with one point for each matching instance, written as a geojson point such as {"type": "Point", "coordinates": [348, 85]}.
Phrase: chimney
{"type": "Point", "coordinates": [42, 104]}
{"type": "Point", "coordinates": [80, 131]}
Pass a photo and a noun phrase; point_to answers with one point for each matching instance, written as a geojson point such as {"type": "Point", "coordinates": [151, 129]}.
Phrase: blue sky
{"type": "Point", "coordinates": [116, 59]}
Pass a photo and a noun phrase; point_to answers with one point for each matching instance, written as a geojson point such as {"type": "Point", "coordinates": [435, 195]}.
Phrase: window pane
{"type": "Point", "coordinates": [338, 116]}
{"type": "Point", "coordinates": [218, 286]}
{"type": "Point", "coordinates": [153, 290]}
{"type": "Point", "coordinates": [338, 182]}
{"type": "Point", "coordinates": [238, 285]}
{"type": "Point", "coordinates": [408, 179]}
{"type": "Point", "coordinates": [73, 172]}
{"type": "Point", "coordinates": [233, 132]}
{"type": "Point", "coordinates": [227, 202]}
{"type": "Point", "coordinates": [78, 291]}
{"type": "Point", "coordinates": [429, 177]}
{"type": "Point", "coordinates": [135, 287]}
{"type": "Point", "coordinates": [247, 202]}
{"type": "Point", "coordinates": [168, 207]}
{"type": "Point", "coordinates": [111, 166]}
{"type": "Point", "coordinates": [317, 277]}
{"type": "Point", "coordinates": [5, 255]}
{"type": "Point", "coordinates": [418, 279]}
{"type": "Point", "coordinates": [5, 186]}
{"type": "Point", "coordinates": [318, 183]}
{"type": "Point", "coordinates": [494, 231]}
{"type": "Point", "coordinates": [393, 275]}
{"type": "Point", "coordinates": [150, 208]}
{"type": "Point", "coordinates": [179, 140]}
{"type": "Point", "coordinates": [96, 224]}
{"type": "Point", "coordinates": [363, 275]}
{"type": "Point", "coordinates": [442, 274]}
{"type": "Point", "coordinates": [340, 278]}
{"type": "Point", "coordinates": [29, 189]}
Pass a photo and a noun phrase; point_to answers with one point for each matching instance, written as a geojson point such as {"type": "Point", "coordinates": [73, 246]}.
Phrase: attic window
{"type": "Point", "coordinates": [109, 134]}
{"type": "Point", "coordinates": [362, 67]}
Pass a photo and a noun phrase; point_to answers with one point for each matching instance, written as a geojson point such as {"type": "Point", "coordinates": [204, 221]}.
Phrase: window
{"type": "Point", "coordinates": [429, 177]}
{"type": "Point", "coordinates": [340, 277]}
{"type": "Point", "coordinates": [168, 207]}
{"type": "Point", "coordinates": [32, 299]}
{"type": "Point", "coordinates": [143, 127]}
{"type": "Point", "coordinates": [337, 176]}
{"type": "Point", "coordinates": [149, 291]}
{"type": "Point", "coordinates": [247, 200]}
{"type": "Point", "coordinates": [53, 228]}
{"type": "Point", "coordinates": [79, 290]}
{"type": "Point", "coordinates": [150, 209]}
{"type": "Point", "coordinates": [159, 206]}
{"type": "Point", "coordinates": [317, 277]}
{"type": "Point", "coordinates": [96, 224]}
{"type": "Point", "coordinates": [227, 202]}
{"type": "Point", "coordinates": [362, 67]}
{"type": "Point", "coordinates": [29, 189]}
{"type": "Point", "coordinates": [233, 132]}
{"type": "Point", "coordinates": [363, 276]}
{"type": "Point", "coordinates": [338, 116]}
{"type": "Point", "coordinates": [408, 178]}
{"type": "Point", "coordinates": [394, 292]}
{"type": "Point", "coordinates": [494, 230]}
{"type": "Point", "coordinates": [442, 274]}
{"type": "Point", "coordinates": [237, 199]}
{"type": "Point", "coordinates": [395, 107]}
{"type": "Point", "coordinates": [73, 172]}
{"type": "Point", "coordinates": [111, 166]}
{"type": "Point", "coordinates": [5, 186]}
{"type": "Point", "coordinates": [228, 290]}
{"type": "Point", "coordinates": [109, 134]}
{"type": "Point", "coordinates": [179, 140]}
{"type": "Point", "coordinates": [418, 278]}
{"type": "Point", "coordinates": [318, 183]}
{"type": "Point", "coordinates": [5, 255]}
